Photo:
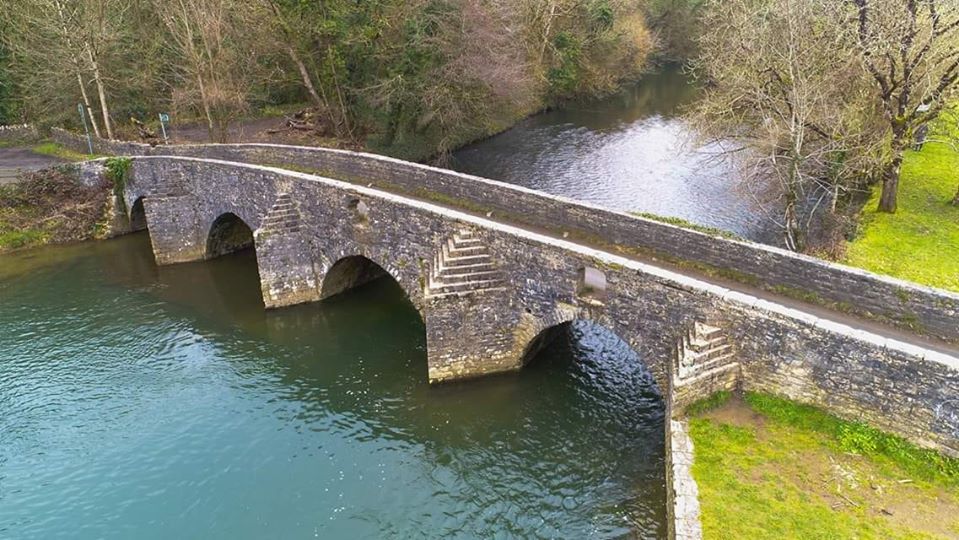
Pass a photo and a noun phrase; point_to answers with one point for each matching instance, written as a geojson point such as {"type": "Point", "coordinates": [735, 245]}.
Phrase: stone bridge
{"type": "Point", "coordinates": [491, 291]}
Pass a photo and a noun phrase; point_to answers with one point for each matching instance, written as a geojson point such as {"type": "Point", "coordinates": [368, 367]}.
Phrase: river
{"type": "Point", "coordinates": [631, 152]}
{"type": "Point", "coordinates": [146, 402]}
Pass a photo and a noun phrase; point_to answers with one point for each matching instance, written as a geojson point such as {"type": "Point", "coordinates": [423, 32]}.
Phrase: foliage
{"type": "Point", "coordinates": [788, 103]}
{"type": "Point", "coordinates": [824, 98]}
{"type": "Point", "coordinates": [908, 50]}
{"type": "Point", "coordinates": [118, 173]}
{"type": "Point", "coordinates": [410, 78]}
{"type": "Point", "coordinates": [789, 474]}
{"type": "Point", "coordinates": [676, 23]}
{"type": "Point", "coordinates": [7, 108]}
{"type": "Point", "coordinates": [921, 241]}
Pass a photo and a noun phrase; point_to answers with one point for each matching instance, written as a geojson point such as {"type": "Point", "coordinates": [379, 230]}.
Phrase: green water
{"type": "Point", "coordinates": [144, 402]}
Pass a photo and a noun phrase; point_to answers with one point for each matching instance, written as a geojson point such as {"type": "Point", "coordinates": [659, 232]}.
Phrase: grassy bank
{"type": "Point", "coordinates": [770, 468]}
{"type": "Point", "coordinates": [50, 207]}
{"type": "Point", "coordinates": [53, 149]}
{"type": "Point", "coordinates": [921, 241]}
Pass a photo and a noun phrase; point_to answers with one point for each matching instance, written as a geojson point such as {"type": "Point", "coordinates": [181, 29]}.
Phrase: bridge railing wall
{"type": "Point", "coordinates": [900, 303]}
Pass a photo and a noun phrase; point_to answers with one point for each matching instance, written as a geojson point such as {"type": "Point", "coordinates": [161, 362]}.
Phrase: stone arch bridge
{"type": "Point", "coordinates": [489, 292]}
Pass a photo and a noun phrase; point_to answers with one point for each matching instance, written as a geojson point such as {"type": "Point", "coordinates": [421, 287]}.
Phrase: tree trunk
{"type": "Point", "coordinates": [86, 104]}
{"type": "Point", "coordinates": [793, 232]}
{"type": "Point", "coordinates": [103, 94]}
{"type": "Point", "coordinates": [546, 31]}
{"type": "Point", "coordinates": [205, 101]}
{"type": "Point", "coordinates": [889, 200]}
{"type": "Point", "coordinates": [307, 81]}
{"type": "Point", "coordinates": [344, 113]}
{"type": "Point", "coordinates": [77, 63]}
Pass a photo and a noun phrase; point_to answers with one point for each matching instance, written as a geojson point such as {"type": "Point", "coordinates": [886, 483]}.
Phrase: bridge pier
{"type": "Point", "coordinates": [471, 336]}
{"type": "Point", "coordinates": [174, 230]}
{"type": "Point", "coordinates": [287, 274]}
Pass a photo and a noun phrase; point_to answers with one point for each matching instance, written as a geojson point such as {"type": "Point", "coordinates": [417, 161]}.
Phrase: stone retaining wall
{"type": "Point", "coordinates": [19, 134]}
{"type": "Point", "coordinates": [682, 494]}
{"type": "Point", "coordinates": [900, 303]}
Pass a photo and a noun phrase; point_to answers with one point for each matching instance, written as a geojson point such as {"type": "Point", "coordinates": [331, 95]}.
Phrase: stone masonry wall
{"type": "Point", "coordinates": [930, 311]}
{"type": "Point", "coordinates": [858, 375]}
{"type": "Point", "coordinates": [682, 492]}
{"type": "Point", "coordinates": [19, 133]}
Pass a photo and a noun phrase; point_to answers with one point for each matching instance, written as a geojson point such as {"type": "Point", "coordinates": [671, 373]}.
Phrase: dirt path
{"type": "Point", "coordinates": [13, 161]}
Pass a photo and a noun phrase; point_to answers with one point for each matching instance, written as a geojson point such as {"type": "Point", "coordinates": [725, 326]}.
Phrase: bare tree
{"type": "Point", "coordinates": [779, 107]}
{"type": "Point", "coordinates": [910, 48]}
{"type": "Point", "coordinates": [68, 24]}
{"type": "Point", "coordinates": [216, 55]}
{"type": "Point", "coordinates": [290, 39]}
{"type": "Point", "coordinates": [101, 22]}
{"type": "Point", "coordinates": [48, 38]}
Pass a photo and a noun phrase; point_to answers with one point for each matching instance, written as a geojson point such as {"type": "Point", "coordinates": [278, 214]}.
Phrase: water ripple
{"type": "Point", "coordinates": [137, 403]}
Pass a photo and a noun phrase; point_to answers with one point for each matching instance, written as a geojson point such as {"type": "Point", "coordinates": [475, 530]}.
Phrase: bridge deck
{"type": "Point", "coordinates": [817, 310]}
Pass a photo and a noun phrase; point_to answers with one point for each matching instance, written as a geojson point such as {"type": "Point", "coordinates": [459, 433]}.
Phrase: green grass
{"type": "Point", "coordinates": [859, 439]}
{"type": "Point", "coordinates": [799, 473]}
{"type": "Point", "coordinates": [680, 222]}
{"type": "Point", "coordinates": [57, 151]}
{"type": "Point", "coordinates": [21, 239]}
{"type": "Point", "coordinates": [920, 242]}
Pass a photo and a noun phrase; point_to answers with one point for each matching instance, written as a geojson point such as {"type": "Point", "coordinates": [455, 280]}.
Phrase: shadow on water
{"type": "Point", "coordinates": [229, 421]}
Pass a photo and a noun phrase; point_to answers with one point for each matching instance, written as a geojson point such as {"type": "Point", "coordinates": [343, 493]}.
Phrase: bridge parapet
{"type": "Point", "coordinates": [897, 303]}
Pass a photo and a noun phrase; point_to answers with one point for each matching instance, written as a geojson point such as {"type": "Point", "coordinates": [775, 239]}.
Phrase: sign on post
{"type": "Point", "coordinates": [164, 120]}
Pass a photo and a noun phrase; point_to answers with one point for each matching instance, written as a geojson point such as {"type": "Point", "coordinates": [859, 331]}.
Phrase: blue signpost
{"type": "Point", "coordinates": [86, 128]}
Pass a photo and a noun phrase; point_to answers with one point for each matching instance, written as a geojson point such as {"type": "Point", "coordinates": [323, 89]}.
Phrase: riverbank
{"type": "Point", "coordinates": [920, 242]}
{"type": "Point", "coordinates": [769, 468]}
{"type": "Point", "coordinates": [52, 207]}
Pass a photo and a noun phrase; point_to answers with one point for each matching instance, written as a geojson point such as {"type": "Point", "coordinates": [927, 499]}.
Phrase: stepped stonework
{"type": "Point", "coordinates": [283, 216]}
{"type": "Point", "coordinates": [702, 350]}
{"type": "Point", "coordinates": [704, 362]}
{"type": "Point", "coordinates": [463, 266]}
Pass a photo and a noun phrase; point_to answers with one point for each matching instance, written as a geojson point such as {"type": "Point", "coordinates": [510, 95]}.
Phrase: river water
{"type": "Point", "coordinates": [145, 402]}
{"type": "Point", "coordinates": [631, 152]}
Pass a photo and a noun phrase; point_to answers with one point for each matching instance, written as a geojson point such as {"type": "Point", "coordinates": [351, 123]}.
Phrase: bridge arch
{"type": "Point", "coordinates": [138, 216]}
{"type": "Point", "coordinates": [355, 270]}
{"type": "Point", "coordinates": [592, 336]}
{"type": "Point", "coordinates": [228, 234]}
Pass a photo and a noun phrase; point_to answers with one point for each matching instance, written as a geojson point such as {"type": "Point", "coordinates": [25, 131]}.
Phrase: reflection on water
{"type": "Point", "coordinates": [145, 402]}
{"type": "Point", "coordinates": [630, 152]}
